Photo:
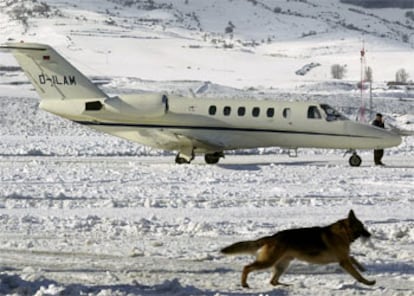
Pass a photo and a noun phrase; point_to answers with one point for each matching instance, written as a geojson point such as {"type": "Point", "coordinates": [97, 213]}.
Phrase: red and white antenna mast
{"type": "Point", "coordinates": [361, 111]}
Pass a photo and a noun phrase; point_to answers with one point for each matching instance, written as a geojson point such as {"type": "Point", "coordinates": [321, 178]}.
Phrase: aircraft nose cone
{"type": "Point", "coordinates": [390, 139]}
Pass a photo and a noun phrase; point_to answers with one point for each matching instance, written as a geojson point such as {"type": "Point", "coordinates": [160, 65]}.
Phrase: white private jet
{"type": "Point", "coordinates": [191, 125]}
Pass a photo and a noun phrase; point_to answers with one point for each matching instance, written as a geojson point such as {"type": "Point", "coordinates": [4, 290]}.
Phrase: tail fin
{"type": "Point", "coordinates": [245, 247]}
{"type": "Point", "coordinates": [52, 75]}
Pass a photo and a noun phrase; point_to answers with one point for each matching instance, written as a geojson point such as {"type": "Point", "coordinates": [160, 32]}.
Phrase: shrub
{"type": "Point", "coordinates": [338, 71]}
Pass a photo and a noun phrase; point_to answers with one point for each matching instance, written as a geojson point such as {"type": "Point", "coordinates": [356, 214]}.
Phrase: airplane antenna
{"type": "Point", "coordinates": [193, 95]}
{"type": "Point", "coordinates": [361, 111]}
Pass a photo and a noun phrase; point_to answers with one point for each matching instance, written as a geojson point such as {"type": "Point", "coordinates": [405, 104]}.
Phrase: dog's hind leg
{"type": "Point", "coordinates": [347, 265]}
{"type": "Point", "coordinates": [279, 268]}
{"type": "Point", "coordinates": [251, 267]}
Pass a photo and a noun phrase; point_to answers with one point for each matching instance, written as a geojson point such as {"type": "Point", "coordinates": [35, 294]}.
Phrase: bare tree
{"type": "Point", "coordinates": [401, 76]}
{"type": "Point", "coordinates": [338, 71]}
{"type": "Point", "coordinates": [230, 28]}
{"type": "Point", "coordinates": [368, 74]}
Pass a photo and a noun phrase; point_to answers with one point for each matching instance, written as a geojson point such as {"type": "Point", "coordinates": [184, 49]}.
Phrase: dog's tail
{"type": "Point", "coordinates": [245, 247]}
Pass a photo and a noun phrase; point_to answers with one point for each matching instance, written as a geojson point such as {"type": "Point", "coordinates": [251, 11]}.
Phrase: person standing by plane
{"type": "Point", "coordinates": [378, 153]}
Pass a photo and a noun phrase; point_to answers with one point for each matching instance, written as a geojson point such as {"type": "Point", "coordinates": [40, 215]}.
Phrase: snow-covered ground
{"type": "Point", "coordinates": [140, 225]}
{"type": "Point", "coordinates": [82, 213]}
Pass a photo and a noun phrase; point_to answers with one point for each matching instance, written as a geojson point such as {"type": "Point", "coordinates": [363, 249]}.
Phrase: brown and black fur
{"type": "Point", "coordinates": [320, 245]}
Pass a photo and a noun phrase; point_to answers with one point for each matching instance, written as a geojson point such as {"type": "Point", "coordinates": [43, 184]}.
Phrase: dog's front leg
{"type": "Point", "coordinates": [347, 265]}
{"type": "Point", "coordinates": [357, 264]}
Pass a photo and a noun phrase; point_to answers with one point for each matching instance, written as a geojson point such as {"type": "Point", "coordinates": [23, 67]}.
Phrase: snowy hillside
{"type": "Point", "coordinates": [82, 213]}
{"type": "Point", "coordinates": [244, 43]}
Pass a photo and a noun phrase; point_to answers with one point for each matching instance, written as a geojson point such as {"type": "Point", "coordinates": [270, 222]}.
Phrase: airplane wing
{"type": "Point", "coordinates": [170, 140]}
{"type": "Point", "coordinates": [401, 132]}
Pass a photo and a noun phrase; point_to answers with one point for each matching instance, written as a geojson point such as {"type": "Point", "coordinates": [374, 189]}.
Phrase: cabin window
{"type": "Point", "coordinates": [212, 110]}
{"type": "Point", "coordinates": [256, 111]}
{"type": "Point", "coordinates": [286, 113]}
{"type": "Point", "coordinates": [313, 113]}
{"type": "Point", "coordinates": [227, 110]}
{"type": "Point", "coordinates": [270, 112]}
{"type": "Point", "coordinates": [241, 111]}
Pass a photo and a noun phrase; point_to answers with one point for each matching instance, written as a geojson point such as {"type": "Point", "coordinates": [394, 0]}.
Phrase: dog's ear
{"type": "Point", "coordinates": [351, 215]}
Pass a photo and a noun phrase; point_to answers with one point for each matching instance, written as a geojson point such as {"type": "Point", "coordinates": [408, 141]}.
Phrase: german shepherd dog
{"type": "Point", "coordinates": [321, 245]}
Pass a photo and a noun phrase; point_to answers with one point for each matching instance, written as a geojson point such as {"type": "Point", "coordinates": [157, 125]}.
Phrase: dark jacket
{"type": "Point", "coordinates": [378, 123]}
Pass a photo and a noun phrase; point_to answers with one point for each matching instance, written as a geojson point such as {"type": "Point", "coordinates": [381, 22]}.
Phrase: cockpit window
{"type": "Point", "coordinates": [313, 112]}
{"type": "Point", "coordinates": [332, 114]}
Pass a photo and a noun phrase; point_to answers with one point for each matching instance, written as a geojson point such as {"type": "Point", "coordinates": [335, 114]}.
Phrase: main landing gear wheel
{"type": "Point", "coordinates": [355, 160]}
{"type": "Point", "coordinates": [213, 158]}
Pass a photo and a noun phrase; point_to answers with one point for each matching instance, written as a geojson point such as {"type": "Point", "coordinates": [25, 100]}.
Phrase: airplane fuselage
{"type": "Point", "coordinates": [201, 125]}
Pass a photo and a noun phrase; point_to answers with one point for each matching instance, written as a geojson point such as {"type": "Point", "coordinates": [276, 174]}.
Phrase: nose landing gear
{"type": "Point", "coordinates": [185, 156]}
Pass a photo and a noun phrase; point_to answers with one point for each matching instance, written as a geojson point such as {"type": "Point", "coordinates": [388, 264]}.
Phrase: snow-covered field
{"type": "Point", "coordinates": [82, 213]}
{"type": "Point", "coordinates": [143, 226]}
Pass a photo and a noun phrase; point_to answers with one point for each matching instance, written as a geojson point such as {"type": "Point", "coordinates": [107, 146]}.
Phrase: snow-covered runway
{"type": "Point", "coordinates": [146, 226]}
